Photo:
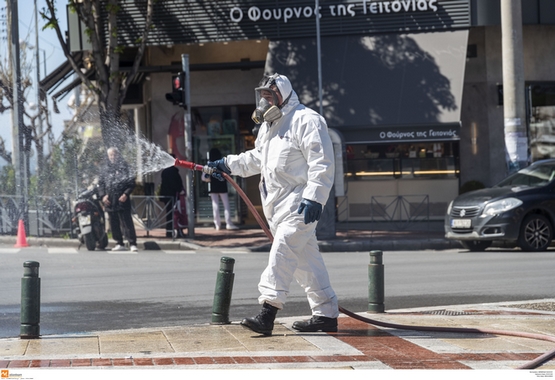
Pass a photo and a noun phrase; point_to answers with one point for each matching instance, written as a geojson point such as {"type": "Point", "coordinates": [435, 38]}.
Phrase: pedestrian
{"type": "Point", "coordinates": [170, 188]}
{"type": "Point", "coordinates": [294, 156]}
{"type": "Point", "coordinates": [115, 187]}
{"type": "Point", "coordinates": [218, 190]}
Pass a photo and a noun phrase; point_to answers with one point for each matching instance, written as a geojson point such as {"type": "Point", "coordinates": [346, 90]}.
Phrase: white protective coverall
{"type": "Point", "coordinates": [294, 156]}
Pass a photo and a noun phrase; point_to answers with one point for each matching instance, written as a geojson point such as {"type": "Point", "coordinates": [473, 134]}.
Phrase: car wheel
{"type": "Point", "coordinates": [476, 245]}
{"type": "Point", "coordinates": [536, 233]}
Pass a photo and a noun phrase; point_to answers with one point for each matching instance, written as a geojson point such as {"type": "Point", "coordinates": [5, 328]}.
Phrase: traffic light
{"type": "Point", "coordinates": [177, 96]}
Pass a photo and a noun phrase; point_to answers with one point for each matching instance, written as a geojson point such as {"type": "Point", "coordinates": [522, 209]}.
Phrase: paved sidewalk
{"type": "Point", "coordinates": [357, 344]}
{"type": "Point", "coordinates": [349, 237]}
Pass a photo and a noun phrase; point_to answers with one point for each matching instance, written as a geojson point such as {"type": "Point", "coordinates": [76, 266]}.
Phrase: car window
{"type": "Point", "coordinates": [532, 176]}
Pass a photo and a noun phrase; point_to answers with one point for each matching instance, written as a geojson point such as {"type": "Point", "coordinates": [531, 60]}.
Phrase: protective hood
{"type": "Point", "coordinates": [290, 97]}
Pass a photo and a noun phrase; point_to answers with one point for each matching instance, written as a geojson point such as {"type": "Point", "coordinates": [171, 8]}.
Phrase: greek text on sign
{"type": "Point", "coordinates": [365, 7]}
{"type": "Point", "coordinates": [429, 134]}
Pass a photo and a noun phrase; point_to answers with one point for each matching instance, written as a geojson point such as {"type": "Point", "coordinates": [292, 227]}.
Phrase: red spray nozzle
{"type": "Point", "coordinates": [193, 166]}
{"type": "Point", "coordinates": [185, 164]}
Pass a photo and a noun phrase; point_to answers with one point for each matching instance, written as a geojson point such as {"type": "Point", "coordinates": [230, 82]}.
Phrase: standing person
{"type": "Point", "coordinates": [218, 190]}
{"type": "Point", "coordinates": [294, 156]}
{"type": "Point", "coordinates": [116, 185]}
{"type": "Point", "coordinates": [170, 187]}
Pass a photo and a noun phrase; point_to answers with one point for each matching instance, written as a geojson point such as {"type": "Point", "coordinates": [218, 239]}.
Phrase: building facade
{"type": "Point", "coordinates": [412, 88]}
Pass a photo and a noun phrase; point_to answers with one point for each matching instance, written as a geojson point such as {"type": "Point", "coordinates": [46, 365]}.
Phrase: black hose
{"type": "Point", "coordinates": [530, 365]}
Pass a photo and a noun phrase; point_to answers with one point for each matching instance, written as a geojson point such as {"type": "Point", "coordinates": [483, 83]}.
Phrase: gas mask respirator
{"type": "Point", "coordinates": [265, 112]}
{"type": "Point", "coordinates": [267, 101]}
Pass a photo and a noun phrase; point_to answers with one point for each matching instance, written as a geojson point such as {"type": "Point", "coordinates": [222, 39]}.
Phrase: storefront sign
{"type": "Point", "coordinates": [365, 7]}
{"type": "Point", "coordinates": [183, 22]}
{"type": "Point", "coordinates": [429, 134]}
{"type": "Point", "coordinates": [390, 134]}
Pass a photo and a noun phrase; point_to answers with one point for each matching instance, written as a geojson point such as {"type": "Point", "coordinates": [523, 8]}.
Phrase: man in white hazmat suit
{"type": "Point", "coordinates": [294, 156]}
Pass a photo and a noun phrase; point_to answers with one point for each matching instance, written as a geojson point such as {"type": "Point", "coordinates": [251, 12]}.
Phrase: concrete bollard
{"type": "Point", "coordinates": [376, 283]}
{"type": "Point", "coordinates": [30, 301]}
{"type": "Point", "coordinates": [222, 294]}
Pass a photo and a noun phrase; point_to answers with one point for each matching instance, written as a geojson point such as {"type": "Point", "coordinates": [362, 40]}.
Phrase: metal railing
{"type": "Point", "coordinates": [48, 216]}
{"type": "Point", "coordinates": [52, 216]}
{"type": "Point", "coordinates": [149, 211]}
{"type": "Point", "coordinates": [400, 210]}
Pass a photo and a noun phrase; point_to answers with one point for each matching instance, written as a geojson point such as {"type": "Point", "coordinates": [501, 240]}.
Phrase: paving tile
{"type": "Point", "coordinates": [102, 362]}
{"type": "Point", "coordinates": [48, 347]}
{"type": "Point", "coordinates": [203, 360]}
{"type": "Point", "coordinates": [264, 359]}
{"type": "Point", "coordinates": [163, 361]}
{"type": "Point", "coordinates": [62, 363]}
{"type": "Point", "coordinates": [282, 340]}
{"type": "Point", "coordinates": [135, 342]}
{"type": "Point", "coordinates": [143, 362]}
{"type": "Point", "coordinates": [39, 363]}
{"type": "Point", "coordinates": [81, 362]}
{"type": "Point", "coordinates": [200, 339]}
{"type": "Point", "coordinates": [122, 362]}
{"type": "Point", "coordinates": [302, 359]}
{"type": "Point", "coordinates": [184, 361]}
{"type": "Point", "coordinates": [324, 358]}
{"type": "Point", "coordinates": [243, 359]}
{"type": "Point", "coordinates": [13, 347]}
{"type": "Point", "coordinates": [18, 364]}
{"type": "Point", "coordinates": [223, 360]}
{"type": "Point", "coordinates": [444, 364]}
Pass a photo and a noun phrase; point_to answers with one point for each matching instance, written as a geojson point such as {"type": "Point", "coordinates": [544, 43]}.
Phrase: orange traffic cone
{"type": "Point", "coordinates": [21, 238]}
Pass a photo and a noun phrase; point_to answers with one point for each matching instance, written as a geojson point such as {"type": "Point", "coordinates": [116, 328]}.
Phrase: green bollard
{"type": "Point", "coordinates": [30, 301]}
{"type": "Point", "coordinates": [376, 283]}
{"type": "Point", "coordinates": [222, 294]}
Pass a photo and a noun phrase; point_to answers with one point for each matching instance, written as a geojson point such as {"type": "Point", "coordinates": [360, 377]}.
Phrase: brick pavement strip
{"type": "Point", "coordinates": [375, 344]}
{"type": "Point", "coordinates": [452, 361]}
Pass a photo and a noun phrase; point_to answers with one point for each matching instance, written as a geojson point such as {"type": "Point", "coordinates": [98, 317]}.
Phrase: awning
{"type": "Point", "coordinates": [391, 81]}
{"type": "Point", "coordinates": [59, 75]}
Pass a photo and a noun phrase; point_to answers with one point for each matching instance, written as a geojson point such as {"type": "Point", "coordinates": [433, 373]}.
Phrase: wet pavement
{"type": "Point", "coordinates": [408, 339]}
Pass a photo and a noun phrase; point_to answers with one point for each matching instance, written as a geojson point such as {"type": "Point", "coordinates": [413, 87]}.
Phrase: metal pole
{"type": "Point", "coordinates": [30, 301]}
{"type": "Point", "coordinates": [319, 55]}
{"type": "Point", "coordinates": [516, 139]}
{"type": "Point", "coordinates": [18, 135]}
{"type": "Point", "coordinates": [188, 135]}
{"type": "Point", "coordinates": [46, 111]}
{"type": "Point", "coordinates": [222, 294]}
{"type": "Point", "coordinates": [37, 57]}
{"type": "Point", "coordinates": [376, 283]}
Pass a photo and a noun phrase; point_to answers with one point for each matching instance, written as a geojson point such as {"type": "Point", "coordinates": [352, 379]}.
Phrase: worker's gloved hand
{"type": "Point", "coordinates": [312, 210]}
{"type": "Point", "coordinates": [219, 165]}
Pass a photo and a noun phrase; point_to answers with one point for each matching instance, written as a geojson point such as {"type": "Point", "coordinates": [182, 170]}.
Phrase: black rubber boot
{"type": "Point", "coordinates": [263, 323]}
{"type": "Point", "coordinates": [317, 323]}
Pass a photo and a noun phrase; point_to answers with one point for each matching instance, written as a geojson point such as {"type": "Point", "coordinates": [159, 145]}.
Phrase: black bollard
{"type": "Point", "coordinates": [376, 283]}
{"type": "Point", "coordinates": [222, 294]}
{"type": "Point", "coordinates": [30, 301]}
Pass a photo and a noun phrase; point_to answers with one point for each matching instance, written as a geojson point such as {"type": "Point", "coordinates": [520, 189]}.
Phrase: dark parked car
{"type": "Point", "coordinates": [518, 211]}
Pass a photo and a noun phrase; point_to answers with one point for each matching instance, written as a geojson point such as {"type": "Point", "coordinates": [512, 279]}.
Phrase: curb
{"type": "Point", "coordinates": [395, 245]}
{"type": "Point", "coordinates": [325, 246]}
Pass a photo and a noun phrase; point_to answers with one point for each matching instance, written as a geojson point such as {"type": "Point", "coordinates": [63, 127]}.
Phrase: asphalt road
{"type": "Point", "coordinates": [86, 291]}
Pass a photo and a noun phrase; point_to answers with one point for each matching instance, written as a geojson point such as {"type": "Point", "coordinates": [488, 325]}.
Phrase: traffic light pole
{"type": "Point", "coordinates": [188, 135]}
